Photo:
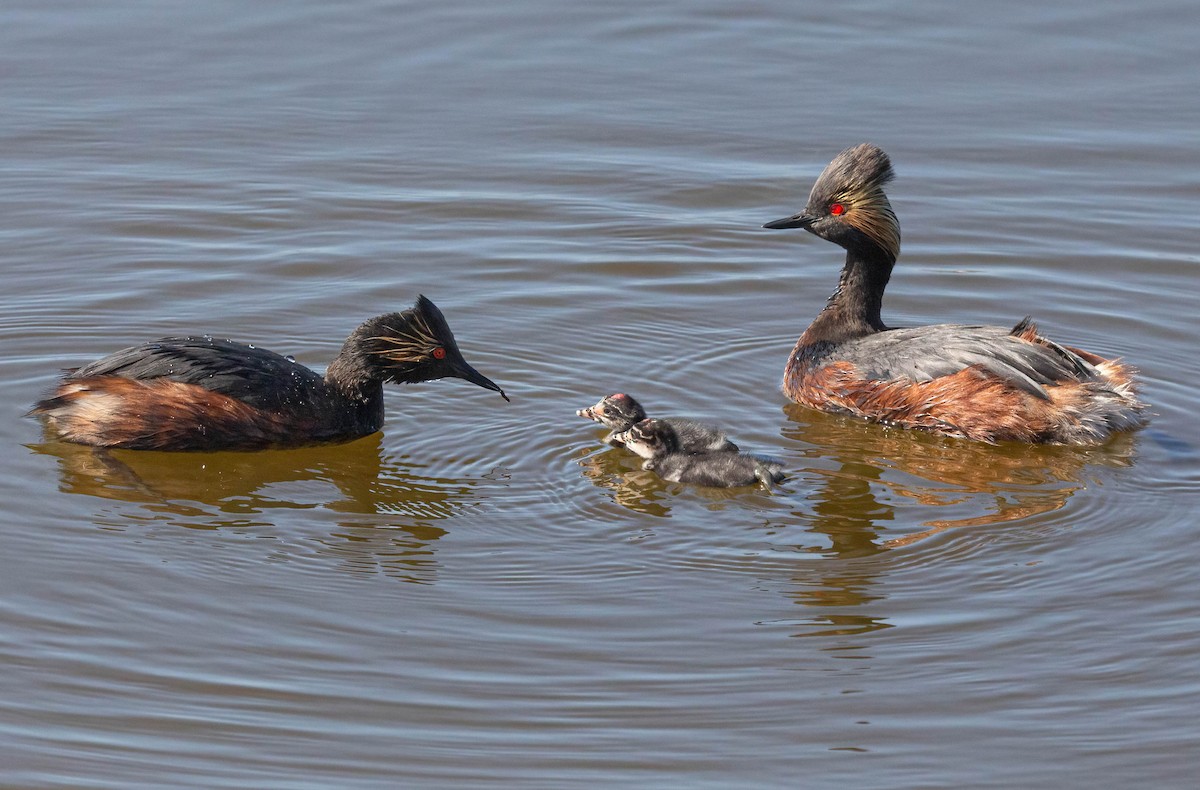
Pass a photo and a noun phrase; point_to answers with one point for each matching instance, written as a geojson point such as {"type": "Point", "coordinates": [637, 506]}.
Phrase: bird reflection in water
{"type": "Point", "coordinates": [621, 473]}
{"type": "Point", "coordinates": [883, 475]}
{"type": "Point", "coordinates": [870, 489]}
{"type": "Point", "coordinates": [386, 509]}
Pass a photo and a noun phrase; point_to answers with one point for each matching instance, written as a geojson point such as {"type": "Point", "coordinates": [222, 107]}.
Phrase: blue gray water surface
{"type": "Point", "coordinates": [484, 595]}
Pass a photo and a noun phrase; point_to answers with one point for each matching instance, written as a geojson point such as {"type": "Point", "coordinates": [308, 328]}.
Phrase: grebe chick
{"type": "Point", "coordinates": [197, 393]}
{"type": "Point", "coordinates": [979, 382]}
{"type": "Point", "coordinates": [620, 412]}
{"type": "Point", "coordinates": [657, 442]}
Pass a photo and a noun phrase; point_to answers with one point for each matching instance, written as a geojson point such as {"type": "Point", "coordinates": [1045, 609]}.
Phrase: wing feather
{"type": "Point", "coordinates": [252, 375]}
{"type": "Point", "coordinates": [929, 352]}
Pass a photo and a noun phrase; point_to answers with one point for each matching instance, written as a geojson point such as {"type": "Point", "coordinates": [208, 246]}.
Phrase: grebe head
{"type": "Point", "coordinates": [618, 411]}
{"type": "Point", "coordinates": [652, 439]}
{"type": "Point", "coordinates": [847, 204]}
{"type": "Point", "coordinates": [411, 346]}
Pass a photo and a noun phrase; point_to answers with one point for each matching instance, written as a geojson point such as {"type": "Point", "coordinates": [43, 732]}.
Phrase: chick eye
{"type": "Point", "coordinates": [439, 353]}
{"type": "Point", "coordinates": [837, 209]}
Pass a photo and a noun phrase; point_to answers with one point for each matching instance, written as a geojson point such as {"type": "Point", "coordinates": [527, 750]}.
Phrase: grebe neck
{"type": "Point", "coordinates": [351, 375]}
{"type": "Point", "coordinates": [854, 308]}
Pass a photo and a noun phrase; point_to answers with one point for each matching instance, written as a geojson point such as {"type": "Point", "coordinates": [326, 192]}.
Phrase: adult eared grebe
{"type": "Point", "coordinates": [979, 382]}
{"type": "Point", "coordinates": [197, 393]}
{"type": "Point", "coordinates": [620, 412]}
{"type": "Point", "coordinates": [657, 442]}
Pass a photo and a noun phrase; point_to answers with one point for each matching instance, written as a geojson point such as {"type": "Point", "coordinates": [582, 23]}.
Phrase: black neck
{"type": "Point", "coordinates": [356, 395]}
{"type": "Point", "coordinates": [351, 375]}
{"type": "Point", "coordinates": [854, 308]}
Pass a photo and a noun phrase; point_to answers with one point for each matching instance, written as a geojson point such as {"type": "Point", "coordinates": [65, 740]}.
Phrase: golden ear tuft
{"type": "Point", "coordinates": [409, 343]}
{"type": "Point", "coordinates": [854, 181]}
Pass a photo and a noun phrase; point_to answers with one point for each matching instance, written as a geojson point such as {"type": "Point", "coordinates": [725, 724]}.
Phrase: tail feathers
{"type": "Point", "coordinates": [59, 401]}
{"type": "Point", "coordinates": [769, 472]}
{"type": "Point", "coordinates": [1111, 407]}
{"type": "Point", "coordinates": [87, 412]}
{"type": "Point", "coordinates": [1081, 364]}
{"type": "Point", "coordinates": [1026, 329]}
{"type": "Point", "coordinates": [47, 406]}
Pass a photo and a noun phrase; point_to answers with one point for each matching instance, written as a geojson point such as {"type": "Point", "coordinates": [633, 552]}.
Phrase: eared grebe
{"type": "Point", "coordinates": [620, 412]}
{"type": "Point", "coordinates": [197, 393]}
{"type": "Point", "coordinates": [978, 382]}
{"type": "Point", "coordinates": [657, 442]}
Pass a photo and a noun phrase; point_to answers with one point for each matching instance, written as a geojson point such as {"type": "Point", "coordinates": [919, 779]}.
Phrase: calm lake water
{"type": "Point", "coordinates": [484, 595]}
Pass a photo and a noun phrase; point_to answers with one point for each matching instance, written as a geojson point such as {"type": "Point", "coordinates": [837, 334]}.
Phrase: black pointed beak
{"type": "Point", "coordinates": [464, 371]}
{"type": "Point", "coordinates": [795, 221]}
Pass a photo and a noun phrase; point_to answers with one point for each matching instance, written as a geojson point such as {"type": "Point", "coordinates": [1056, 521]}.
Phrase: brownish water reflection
{"type": "Point", "coordinates": [869, 478]}
{"type": "Point", "coordinates": [881, 469]}
{"type": "Point", "coordinates": [621, 473]}
{"type": "Point", "coordinates": [838, 600]}
{"type": "Point", "coordinates": [386, 509]}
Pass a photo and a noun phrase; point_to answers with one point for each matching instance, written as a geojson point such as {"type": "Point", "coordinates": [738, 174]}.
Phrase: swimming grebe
{"type": "Point", "coordinates": [197, 393]}
{"type": "Point", "coordinates": [979, 382]}
{"type": "Point", "coordinates": [657, 442]}
{"type": "Point", "coordinates": [620, 412]}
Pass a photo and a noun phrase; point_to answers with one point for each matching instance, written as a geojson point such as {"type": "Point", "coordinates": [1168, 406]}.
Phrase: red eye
{"type": "Point", "coordinates": [439, 353]}
{"type": "Point", "coordinates": [837, 209]}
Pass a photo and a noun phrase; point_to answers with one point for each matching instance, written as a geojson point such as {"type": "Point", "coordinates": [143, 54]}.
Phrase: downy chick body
{"type": "Point", "coordinates": [657, 442]}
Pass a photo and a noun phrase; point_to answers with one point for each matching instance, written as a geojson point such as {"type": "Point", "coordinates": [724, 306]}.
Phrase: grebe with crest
{"type": "Point", "coordinates": [198, 393]}
{"type": "Point", "coordinates": [979, 382]}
